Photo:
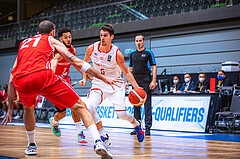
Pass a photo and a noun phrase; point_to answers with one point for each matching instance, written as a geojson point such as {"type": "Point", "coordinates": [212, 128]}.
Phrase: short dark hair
{"type": "Point", "coordinates": [202, 73]}
{"type": "Point", "coordinates": [45, 27]}
{"type": "Point", "coordinates": [108, 27]}
{"type": "Point", "coordinates": [140, 35]}
{"type": "Point", "coordinates": [222, 72]}
{"type": "Point", "coordinates": [63, 30]}
{"type": "Point", "coordinates": [177, 77]}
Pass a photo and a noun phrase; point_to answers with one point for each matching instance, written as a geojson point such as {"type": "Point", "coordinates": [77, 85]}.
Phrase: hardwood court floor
{"type": "Point", "coordinates": [162, 144]}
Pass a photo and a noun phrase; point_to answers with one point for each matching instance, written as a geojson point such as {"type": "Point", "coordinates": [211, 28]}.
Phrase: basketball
{"type": "Point", "coordinates": [137, 97]}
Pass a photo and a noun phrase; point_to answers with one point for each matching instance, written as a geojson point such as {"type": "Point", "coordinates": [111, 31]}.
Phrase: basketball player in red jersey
{"type": "Point", "coordinates": [32, 75]}
{"type": "Point", "coordinates": [61, 68]}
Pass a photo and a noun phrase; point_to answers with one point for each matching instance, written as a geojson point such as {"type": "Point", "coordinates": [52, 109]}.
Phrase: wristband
{"type": "Point", "coordinates": [85, 67]}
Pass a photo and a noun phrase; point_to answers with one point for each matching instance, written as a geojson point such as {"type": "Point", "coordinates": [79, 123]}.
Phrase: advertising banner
{"type": "Point", "coordinates": [178, 113]}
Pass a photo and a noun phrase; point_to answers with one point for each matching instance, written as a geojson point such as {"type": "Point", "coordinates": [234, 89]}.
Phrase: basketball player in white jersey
{"type": "Point", "coordinates": [109, 61]}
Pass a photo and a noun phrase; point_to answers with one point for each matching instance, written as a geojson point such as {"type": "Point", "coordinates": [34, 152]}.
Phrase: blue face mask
{"type": "Point", "coordinates": [220, 77]}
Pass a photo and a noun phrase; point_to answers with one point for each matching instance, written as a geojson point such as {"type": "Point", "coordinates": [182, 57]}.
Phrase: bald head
{"type": "Point", "coordinates": [45, 27]}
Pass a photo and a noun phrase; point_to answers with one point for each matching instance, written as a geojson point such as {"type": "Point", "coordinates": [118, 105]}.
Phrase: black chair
{"type": "Point", "coordinates": [229, 121]}
{"type": "Point", "coordinates": [235, 113]}
{"type": "Point", "coordinates": [195, 5]}
{"type": "Point", "coordinates": [236, 2]}
{"type": "Point", "coordinates": [186, 7]}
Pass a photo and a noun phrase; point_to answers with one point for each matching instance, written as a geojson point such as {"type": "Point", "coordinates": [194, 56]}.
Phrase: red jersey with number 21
{"type": "Point", "coordinates": [34, 55]}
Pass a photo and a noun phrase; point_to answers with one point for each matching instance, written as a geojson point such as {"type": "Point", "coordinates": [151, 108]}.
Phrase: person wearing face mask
{"type": "Point", "coordinates": [202, 84]}
{"type": "Point", "coordinates": [176, 84]}
{"type": "Point", "coordinates": [188, 86]}
{"type": "Point", "coordinates": [222, 80]}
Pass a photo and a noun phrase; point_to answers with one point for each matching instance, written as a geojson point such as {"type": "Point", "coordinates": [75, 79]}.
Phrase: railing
{"type": "Point", "coordinates": [113, 13]}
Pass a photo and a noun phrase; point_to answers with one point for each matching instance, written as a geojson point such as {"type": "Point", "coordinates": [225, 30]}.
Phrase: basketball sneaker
{"type": "Point", "coordinates": [32, 149]}
{"type": "Point", "coordinates": [55, 129]}
{"type": "Point", "coordinates": [81, 138]}
{"type": "Point", "coordinates": [105, 140]}
{"type": "Point", "coordinates": [140, 133]}
{"type": "Point", "coordinates": [101, 150]}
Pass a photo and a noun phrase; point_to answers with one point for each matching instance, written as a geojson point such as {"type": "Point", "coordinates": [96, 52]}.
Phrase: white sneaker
{"type": "Point", "coordinates": [1, 117]}
{"type": "Point", "coordinates": [17, 117]}
{"type": "Point", "coordinates": [32, 149]}
{"type": "Point", "coordinates": [101, 150]}
{"type": "Point", "coordinates": [105, 140]}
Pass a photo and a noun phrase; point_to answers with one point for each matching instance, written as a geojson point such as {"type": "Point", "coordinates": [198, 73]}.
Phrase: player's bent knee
{"type": "Point", "coordinates": [124, 115]}
{"type": "Point", "coordinates": [90, 107]}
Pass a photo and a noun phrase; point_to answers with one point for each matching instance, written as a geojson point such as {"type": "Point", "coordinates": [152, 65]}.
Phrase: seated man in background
{"type": "Point", "coordinates": [222, 80]}
{"type": "Point", "coordinates": [188, 86]}
{"type": "Point", "coordinates": [176, 84]}
{"type": "Point", "coordinates": [202, 84]}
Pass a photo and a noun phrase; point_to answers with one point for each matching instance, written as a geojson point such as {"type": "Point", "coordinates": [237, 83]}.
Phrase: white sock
{"type": "Point", "coordinates": [79, 126]}
{"type": "Point", "coordinates": [135, 123]}
{"type": "Point", "coordinates": [54, 121]}
{"type": "Point", "coordinates": [102, 132]}
{"type": "Point", "coordinates": [92, 129]}
{"type": "Point", "coordinates": [31, 136]}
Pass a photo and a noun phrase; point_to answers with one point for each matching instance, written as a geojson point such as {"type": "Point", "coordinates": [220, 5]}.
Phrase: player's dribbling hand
{"type": "Point", "coordinates": [89, 78]}
{"type": "Point", "coordinates": [82, 82]}
{"type": "Point", "coordinates": [7, 117]}
{"type": "Point", "coordinates": [112, 82]}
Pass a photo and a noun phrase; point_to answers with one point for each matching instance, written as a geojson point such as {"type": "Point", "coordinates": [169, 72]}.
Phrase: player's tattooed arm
{"type": "Point", "coordinates": [62, 50]}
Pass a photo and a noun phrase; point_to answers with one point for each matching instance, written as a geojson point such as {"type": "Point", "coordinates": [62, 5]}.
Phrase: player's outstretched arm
{"type": "Point", "coordinates": [79, 64]}
{"type": "Point", "coordinates": [129, 77]}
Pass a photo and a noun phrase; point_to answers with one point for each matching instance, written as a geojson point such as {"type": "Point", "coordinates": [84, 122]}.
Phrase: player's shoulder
{"type": "Point", "coordinates": [90, 47]}
{"type": "Point", "coordinates": [133, 51]}
{"type": "Point", "coordinates": [148, 50]}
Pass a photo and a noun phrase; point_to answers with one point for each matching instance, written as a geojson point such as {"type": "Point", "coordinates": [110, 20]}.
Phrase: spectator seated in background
{"type": "Point", "coordinates": [1, 98]}
{"type": "Point", "coordinates": [176, 84]}
{"type": "Point", "coordinates": [5, 101]}
{"type": "Point", "coordinates": [202, 84]}
{"type": "Point", "coordinates": [222, 80]}
{"type": "Point", "coordinates": [188, 86]}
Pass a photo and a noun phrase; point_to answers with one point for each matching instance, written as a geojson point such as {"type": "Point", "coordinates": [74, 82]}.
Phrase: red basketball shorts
{"type": "Point", "coordinates": [47, 84]}
{"type": "Point", "coordinates": [67, 79]}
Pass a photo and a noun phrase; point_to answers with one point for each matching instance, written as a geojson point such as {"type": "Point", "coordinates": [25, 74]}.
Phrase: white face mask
{"type": "Point", "coordinates": [201, 80]}
{"type": "Point", "coordinates": [186, 80]}
{"type": "Point", "coordinates": [175, 81]}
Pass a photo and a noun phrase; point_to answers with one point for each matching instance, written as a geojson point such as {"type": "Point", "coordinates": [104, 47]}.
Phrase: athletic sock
{"type": "Point", "coordinates": [135, 123]}
{"type": "Point", "coordinates": [102, 132]}
{"type": "Point", "coordinates": [31, 136]}
{"type": "Point", "coordinates": [92, 129]}
{"type": "Point", "coordinates": [78, 126]}
{"type": "Point", "coordinates": [54, 122]}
